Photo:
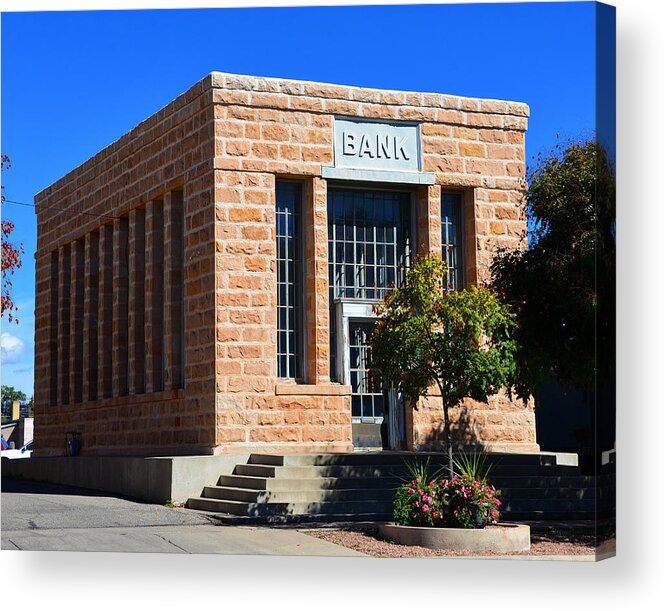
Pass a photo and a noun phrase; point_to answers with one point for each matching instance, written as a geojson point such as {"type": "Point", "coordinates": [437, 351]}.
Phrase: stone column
{"type": "Point", "coordinates": [154, 296]}
{"type": "Point", "coordinates": [90, 321]}
{"type": "Point", "coordinates": [316, 272]}
{"type": "Point", "coordinates": [137, 301]}
{"type": "Point", "coordinates": [173, 289]}
{"type": "Point", "coordinates": [64, 302]}
{"type": "Point", "coordinates": [76, 322]}
{"type": "Point", "coordinates": [120, 354]}
{"type": "Point", "coordinates": [105, 317]}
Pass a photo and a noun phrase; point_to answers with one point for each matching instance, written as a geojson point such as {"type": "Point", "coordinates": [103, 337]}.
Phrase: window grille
{"type": "Point", "coordinates": [452, 239]}
{"type": "Point", "coordinates": [289, 280]}
{"type": "Point", "coordinates": [369, 247]}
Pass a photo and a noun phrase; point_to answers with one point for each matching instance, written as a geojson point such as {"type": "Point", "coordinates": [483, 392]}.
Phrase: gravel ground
{"type": "Point", "coordinates": [552, 542]}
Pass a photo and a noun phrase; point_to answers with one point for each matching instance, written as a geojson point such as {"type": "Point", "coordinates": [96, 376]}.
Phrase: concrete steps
{"type": "Point", "coordinates": [297, 496]}
{"type": "Point", "coordinates": [360, 487]}
{"type": "Point", "coordinates": [332, 508]}
{"type": "Point", "coordinates": [313, 483]}
{"type": "Point", "coordinates": [436, 459]}
{"type": "Point", "coordinates": [387, 470]}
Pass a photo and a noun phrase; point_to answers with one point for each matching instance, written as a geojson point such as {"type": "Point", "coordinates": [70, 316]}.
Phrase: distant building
{"type": "Point", "coordinates": [205, 283]}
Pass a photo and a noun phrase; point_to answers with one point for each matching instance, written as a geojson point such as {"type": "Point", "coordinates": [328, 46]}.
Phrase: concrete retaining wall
{"type": "Point", "coordinates": [156, 480]}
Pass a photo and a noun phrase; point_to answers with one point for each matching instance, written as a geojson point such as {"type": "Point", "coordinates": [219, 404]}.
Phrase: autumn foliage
{"type": "Point", "coordinates": [11, 258]}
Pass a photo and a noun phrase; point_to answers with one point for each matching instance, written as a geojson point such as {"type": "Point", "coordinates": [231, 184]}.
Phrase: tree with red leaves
{"type": "Point", "coordinates": [11, 257]}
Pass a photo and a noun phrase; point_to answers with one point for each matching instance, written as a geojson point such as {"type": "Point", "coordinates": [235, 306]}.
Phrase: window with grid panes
{"type": "Point", "coordinates": [369, 246]}
{"type": "Point", "coordinates": [290, 274]}
{"type": "Point", "coordinates": [452, 238]}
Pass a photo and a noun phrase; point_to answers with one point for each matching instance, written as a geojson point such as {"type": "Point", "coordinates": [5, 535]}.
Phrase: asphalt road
{"type": "Point", "coordinates": [47, 517]}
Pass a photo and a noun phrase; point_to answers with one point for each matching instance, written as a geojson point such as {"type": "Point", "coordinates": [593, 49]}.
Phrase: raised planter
{"type": "Point", "coordinates": [503, 538]}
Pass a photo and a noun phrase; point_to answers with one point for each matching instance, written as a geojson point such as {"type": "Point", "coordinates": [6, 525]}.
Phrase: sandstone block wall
{"type": "Point", "coordinates": [98, 364]}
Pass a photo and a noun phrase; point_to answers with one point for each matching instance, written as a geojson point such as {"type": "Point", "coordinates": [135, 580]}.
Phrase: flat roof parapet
{"type": "Point", "coordinates": [239, 82]}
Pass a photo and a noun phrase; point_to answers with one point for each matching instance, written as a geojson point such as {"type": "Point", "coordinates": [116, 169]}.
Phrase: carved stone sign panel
{"type": "Point", "coordinates": [375, 145]}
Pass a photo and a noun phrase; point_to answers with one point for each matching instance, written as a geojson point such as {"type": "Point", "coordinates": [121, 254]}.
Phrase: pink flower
{"type": "Point", "coordinates": [425, 507]}
{"type": "Point", "coordinates": [417, 504]}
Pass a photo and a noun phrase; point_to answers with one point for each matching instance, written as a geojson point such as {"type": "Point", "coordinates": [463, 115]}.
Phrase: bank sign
{"type": "Point", "coordinates": [374, 145]}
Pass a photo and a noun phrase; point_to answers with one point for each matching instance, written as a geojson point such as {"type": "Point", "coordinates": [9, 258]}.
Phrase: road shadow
{"type": "Point", "coordinates": [30, 487]}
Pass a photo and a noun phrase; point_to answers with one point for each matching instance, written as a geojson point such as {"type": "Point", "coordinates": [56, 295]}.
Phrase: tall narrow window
{"type": "Point", "coordinates": [289, 280]}
{"type": "Point", "coordinates": [452, 238]}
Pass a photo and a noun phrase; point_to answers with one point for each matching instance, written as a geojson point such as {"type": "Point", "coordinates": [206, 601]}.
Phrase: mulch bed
{"type": "Point", "coordinates": [550, 542]}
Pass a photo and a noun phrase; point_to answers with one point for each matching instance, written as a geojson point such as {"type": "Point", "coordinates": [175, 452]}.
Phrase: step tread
{"type": "Point", "coordinates": [286, 471]}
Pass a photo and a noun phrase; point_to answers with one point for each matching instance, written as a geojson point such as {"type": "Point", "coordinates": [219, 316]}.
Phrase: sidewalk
{"type": "Point", "coordinates": [199, 539]}
{"type": "Point", "coordinates": [46, 517]}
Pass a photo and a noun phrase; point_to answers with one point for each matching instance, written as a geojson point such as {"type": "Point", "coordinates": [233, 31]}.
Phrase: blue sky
{"type": "Point", "coordinates": [73, 82]}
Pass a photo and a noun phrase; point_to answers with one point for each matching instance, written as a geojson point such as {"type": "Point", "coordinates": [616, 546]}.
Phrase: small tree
{"type": "Point", "coordinates": [459, 342]}
{"type": "Point", "coordinates": [11, 257]}
{"type": "Point", "coordinates": [9, 395]}
{"type": "Point", "coordinates": [562, 288]}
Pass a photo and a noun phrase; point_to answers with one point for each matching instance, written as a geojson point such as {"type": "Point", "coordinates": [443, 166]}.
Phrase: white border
{"type": "Point", "coordinates": [632, 580]}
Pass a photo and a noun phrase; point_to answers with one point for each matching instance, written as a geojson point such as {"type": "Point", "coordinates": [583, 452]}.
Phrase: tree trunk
{"type": "Point", "coordinates": [446, 430]}
{"type": "Point", "coordinates": [449, 440]}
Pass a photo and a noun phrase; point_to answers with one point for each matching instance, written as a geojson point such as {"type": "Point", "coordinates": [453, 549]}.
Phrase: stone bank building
{"type": "Point", "coordinates": [205, 283]}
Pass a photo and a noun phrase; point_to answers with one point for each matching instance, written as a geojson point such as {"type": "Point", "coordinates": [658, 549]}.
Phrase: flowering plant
{"type": "Point", "coordinates": [418, 503]}
{"type": "Point", "coordinates": [469, 502]}
{"type": "Point", "coordinates": [458, 502]}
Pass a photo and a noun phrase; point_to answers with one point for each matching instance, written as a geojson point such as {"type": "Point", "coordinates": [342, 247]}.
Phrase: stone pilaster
{"type": "Point", "coordinates": [105, 316]}
{"type": "Point", "coordinates": [173, 289]}
{"type": "Point", "coordinates": [90, 318]}
{"type": "Point", "coordinates": [120, 353]}
{"type": "Point", "coordinates": [429, 220]}
{"type": "Point", "coordinates": [137, 363]}
{"type": "Point", "coordinates": [45, 391]}
{"type": "Point", "coordinates": [316, 273]}
{"type": "Point", "coordinates": [76, 321]}
{"type": "Point", "coordinates": [154, 296]}
{"type": "Point", "coordinates": [64, 302]}
{"type": "Point", "coordinates": [54, 283]}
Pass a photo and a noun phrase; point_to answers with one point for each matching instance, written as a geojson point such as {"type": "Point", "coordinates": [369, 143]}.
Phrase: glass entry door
{"type": "Point", "coordinates": [367, 398]}
{"type": "Point", "coordinates": [377, 413]}
{"type": "Point", "coordinates": [367, 394]}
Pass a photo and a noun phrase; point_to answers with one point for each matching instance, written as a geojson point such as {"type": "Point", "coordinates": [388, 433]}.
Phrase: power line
{"type": "Point", "coordinates": [11, 201]}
